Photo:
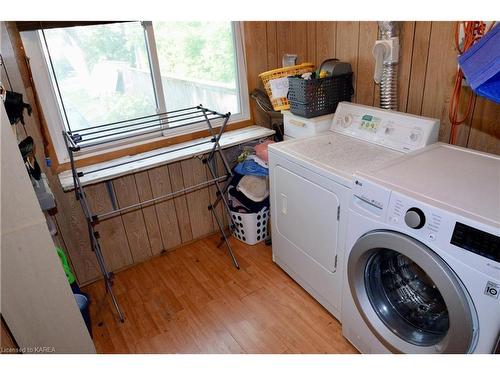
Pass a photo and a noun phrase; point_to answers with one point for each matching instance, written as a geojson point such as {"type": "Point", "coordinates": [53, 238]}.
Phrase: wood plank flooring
{"type": "Point", "coordinates": [193, 300]}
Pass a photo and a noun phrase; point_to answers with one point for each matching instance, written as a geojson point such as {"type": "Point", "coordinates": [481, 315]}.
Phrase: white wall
{"type": "Point", "coordinates": [36, 299]}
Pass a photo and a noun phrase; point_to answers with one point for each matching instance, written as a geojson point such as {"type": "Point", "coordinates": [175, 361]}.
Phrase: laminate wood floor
{"type": "Point", "coordinates": [193, 300]}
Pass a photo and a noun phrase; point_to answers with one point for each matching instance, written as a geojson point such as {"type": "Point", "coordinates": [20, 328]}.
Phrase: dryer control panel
{"type": "Point", "coordinates": [397, 130]}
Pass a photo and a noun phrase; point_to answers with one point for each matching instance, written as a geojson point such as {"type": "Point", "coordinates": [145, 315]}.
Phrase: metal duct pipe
{"type": "Point", "coordinates": [386, 53]}
{"type": "Point", "coordinates": [388, 29]}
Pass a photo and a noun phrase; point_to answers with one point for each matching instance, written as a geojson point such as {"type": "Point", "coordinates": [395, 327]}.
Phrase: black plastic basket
{"type": "Point", "coordinates": [317, 97]}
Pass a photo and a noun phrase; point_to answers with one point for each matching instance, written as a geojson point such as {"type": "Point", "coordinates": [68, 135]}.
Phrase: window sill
{"type": "Point", "coordinates": [228, 139]}
{"type": "Point", "coordinates": [141, 146]}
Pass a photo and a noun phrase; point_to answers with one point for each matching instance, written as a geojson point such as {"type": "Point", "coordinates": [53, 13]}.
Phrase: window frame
{"type": "Point", "coordinates": [52, 107]}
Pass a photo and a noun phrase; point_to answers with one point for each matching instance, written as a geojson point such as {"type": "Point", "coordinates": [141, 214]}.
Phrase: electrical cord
{"type": "Point", "coordinates": [473, 31]}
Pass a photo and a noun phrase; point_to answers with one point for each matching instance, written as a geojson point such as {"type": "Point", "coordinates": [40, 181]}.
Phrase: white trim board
{"type": "Point", "coordinates": [228, 139]}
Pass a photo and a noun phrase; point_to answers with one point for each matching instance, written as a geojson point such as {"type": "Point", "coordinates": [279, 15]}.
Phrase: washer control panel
{"type": "Point", "coordinates": [396, 130]}
{"type": "Point", "coordinates": [460, 237]}
{"type": "Point", "coordinates": [415, 218]}
{"type": "Point", "coordinates": [477, 241]}
{"type": "Point", "coordinates": [473, 243]}
{"type": "Point", "coordinates": [419, 219]}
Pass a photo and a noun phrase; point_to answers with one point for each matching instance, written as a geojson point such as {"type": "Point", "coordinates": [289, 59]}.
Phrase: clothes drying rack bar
{"type": "Point", "coordinates": [105, 133]}
{"type": "Point", "coordinates": [159, 199]}
{"type": "Point", "coordinates": [101, 134]}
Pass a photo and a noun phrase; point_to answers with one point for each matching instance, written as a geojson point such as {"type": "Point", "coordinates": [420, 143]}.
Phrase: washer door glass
{"type": "Point", "coordinates": [408, 296]}
{"type": "Point", "coordinates": [405, 298]}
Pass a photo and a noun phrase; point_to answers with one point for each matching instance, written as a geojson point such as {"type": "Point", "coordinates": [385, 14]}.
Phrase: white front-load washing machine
{"type": "Point", "coordinates": [423, 261]}
{"type": "Point", "coordinates": [310, 182]}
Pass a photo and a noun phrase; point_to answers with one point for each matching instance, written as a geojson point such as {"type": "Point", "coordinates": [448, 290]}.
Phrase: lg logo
{"type": "Point", "coordinates": [492, 290]}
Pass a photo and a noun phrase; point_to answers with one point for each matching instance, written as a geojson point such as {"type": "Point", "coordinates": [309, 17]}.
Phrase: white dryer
{"type": "Point", "coordinates": [423, 258]}
{"type": "Point", "coordinates": [310, 190]}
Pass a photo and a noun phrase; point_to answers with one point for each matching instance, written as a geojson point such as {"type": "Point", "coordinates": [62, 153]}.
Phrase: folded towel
{"type": "Point", "coordinates": [243, 201]}
{"type": "Point", "coordinates": [254, 187]}
{"type": "Point", "coordinates": [240, 202]}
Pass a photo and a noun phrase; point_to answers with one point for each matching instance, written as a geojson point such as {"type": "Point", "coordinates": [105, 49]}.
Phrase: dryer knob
{"type": "Point", "coordinates": [415, 218]}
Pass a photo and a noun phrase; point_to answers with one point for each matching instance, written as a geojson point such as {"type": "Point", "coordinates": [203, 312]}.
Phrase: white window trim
{"type": "Point", "coordinates": [52, 108]}
{"type": "Point", "coordinates": [154, 65]}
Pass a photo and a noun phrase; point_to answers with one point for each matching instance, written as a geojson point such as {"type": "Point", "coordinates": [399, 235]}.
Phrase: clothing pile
{"type": "Point", "coordinates": [249, 188]}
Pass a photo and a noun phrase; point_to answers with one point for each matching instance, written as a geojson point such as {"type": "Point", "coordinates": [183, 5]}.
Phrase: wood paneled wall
{"type": "Point", "coordinates": [426, 70]}
{"type": "Point", "coordinates": [426, 74]}
{"type": "Point", "coordinates": [134, 236]}
{"type": "Point", "coordinates": [138, 235]}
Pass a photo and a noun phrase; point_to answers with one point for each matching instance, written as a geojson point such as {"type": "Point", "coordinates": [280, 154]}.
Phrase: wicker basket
{"type": "Point", "coordinates": [281, 103]}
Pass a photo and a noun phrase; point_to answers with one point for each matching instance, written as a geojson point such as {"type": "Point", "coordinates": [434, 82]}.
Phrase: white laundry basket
{"type": "Point", "coordinates": [251, 228]}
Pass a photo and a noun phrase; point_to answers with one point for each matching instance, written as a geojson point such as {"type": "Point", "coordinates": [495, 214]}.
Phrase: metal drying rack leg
{"type": "Point", "coordinates": [221, 193]}
{"type": "Point", "coordinates": [98, 135]}
{"type": "Point", "coordinates": [108, 276]}
{"type": "Point", "coordinates": [93, 235]}
{"type": "Point", "coordinates": [211, 162]}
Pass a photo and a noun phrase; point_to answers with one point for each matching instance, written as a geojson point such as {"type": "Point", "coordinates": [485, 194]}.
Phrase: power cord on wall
{"type": "Point", "coordinates": [472, 32]}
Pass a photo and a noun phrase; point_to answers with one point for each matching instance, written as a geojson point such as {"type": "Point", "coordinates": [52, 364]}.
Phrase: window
{"type": "Point", "coordinates": [108, 73]}
{"type": "Point", "coordinates": [102, 72]}
{"type": "Point", "coordinates": [198, 64]}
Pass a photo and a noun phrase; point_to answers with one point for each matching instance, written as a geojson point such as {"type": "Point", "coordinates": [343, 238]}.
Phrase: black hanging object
{"type": "Point", "coordinates": [27, 148]}
{"type": "Point", "coordinates": [15, 106]}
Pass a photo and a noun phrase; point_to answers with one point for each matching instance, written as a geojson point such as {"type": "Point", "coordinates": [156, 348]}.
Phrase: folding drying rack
{"type": "Point", "coordinates": [101, 134]}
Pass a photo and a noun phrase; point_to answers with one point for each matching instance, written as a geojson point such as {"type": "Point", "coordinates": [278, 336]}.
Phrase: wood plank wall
{"type": "Point", "coordinates": [426, 69]}
{"type": "Point", "coordinates": [138, 235]}
{"type": "Point", "coordinates": [134, 236]}
{"type": "Point", "coordinates": [426, 75]}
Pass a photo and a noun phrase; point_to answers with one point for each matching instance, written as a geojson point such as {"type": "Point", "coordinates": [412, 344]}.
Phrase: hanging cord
{"type": "Point", "coordinates": [473, 31]}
